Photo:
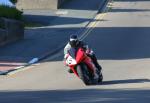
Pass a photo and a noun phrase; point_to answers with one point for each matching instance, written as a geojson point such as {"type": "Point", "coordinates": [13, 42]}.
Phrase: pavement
{"type": "Point", "coordinates": [46, 40]}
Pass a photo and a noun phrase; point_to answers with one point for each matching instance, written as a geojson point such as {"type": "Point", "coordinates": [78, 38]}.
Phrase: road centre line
{"type": "Point", "coordinates": [96, 20]}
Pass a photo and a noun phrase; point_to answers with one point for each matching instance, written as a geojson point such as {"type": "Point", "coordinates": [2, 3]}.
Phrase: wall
{"type": "Point", "coordinates": [39, 4]}
{"type": "Point", "coordinates": [2, 36]}
{"type": "Point", "coordinates": [14, 30]}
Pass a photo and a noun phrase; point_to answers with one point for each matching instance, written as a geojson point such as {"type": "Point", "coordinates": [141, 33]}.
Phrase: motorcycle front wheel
{"type": "Point", "coordinates": [83, 74]}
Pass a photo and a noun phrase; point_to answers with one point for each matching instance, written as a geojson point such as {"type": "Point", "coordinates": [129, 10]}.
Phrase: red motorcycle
{"type": "Point", "coordinates": [82, 66]}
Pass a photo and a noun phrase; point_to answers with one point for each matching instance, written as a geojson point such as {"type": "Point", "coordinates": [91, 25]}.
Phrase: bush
{"type": "Point", "coordinates": [10, 13]}
{"type": "Point", "coordinates": [2, 26]}
{"type": "Point", "coordinates": [14, 1]}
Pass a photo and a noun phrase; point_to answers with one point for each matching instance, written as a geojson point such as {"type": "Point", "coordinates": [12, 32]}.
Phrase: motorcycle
{"type": "Point", "coordinates": [82, 66]}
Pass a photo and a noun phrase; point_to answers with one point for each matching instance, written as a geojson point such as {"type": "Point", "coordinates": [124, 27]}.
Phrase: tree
{"type": "Point", "coordinates": [14, 1]}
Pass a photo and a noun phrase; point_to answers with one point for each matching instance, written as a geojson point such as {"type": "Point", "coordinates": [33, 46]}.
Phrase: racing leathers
{"type": "Point", "coordinates": [88, 51]}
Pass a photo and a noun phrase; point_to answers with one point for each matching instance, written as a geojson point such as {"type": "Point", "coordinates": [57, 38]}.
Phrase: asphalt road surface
{"type": "Point", "coordinates": [121, 42]}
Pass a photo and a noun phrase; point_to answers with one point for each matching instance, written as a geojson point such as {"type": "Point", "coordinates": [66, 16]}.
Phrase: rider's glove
{"type": "Point", "coordinates": [65, 58]}
{"type": "Point", "coordinates": [89, 51]}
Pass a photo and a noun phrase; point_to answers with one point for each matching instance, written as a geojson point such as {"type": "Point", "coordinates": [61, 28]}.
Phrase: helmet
{"type": "Point", "coordinates": [73, 40]}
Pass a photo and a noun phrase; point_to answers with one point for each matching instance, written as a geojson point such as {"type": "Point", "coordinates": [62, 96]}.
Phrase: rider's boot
{"type": "Point", "coordinates": [70, 71]}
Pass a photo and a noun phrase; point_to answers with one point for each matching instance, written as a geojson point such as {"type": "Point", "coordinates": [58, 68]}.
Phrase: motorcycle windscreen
{"type": "Point", "coordinates": [72, 52]}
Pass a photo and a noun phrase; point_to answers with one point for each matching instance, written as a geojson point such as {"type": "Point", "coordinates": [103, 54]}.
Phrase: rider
{"type": "Point", "coordinates": [74, 42]}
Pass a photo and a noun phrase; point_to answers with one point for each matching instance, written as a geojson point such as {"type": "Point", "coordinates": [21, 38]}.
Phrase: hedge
{"type": "Point", "coordinates": [14, 1]}
{"type": "Point", "coordinates": [10, 12]}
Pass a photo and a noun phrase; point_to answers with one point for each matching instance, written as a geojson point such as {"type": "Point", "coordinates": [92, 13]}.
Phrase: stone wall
{"type": "Point", "coordinates": [2, 36]}
{"type": "Point", "coordinates": [14, 30]}
{"type": "Point", "coordinates": [39, 4]}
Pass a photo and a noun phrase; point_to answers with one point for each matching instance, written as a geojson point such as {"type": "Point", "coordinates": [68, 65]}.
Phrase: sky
{"type": "Point", "coordinates": [6, 2]}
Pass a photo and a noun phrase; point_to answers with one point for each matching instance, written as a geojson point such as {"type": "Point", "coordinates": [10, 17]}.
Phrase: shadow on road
{"type": "Point", "coordinates": [76, 96]}
{"type": "Point", "coordinates": [128, 10]}
{"type": "Point", "coordinates": [82, 5]}
{"type": "Point", "coordinates": [119, 43]}
{"type": "Point", "coordinates": [128, 81]}
{"type": "Point", "coordinates": [129, 0]}
{"type": "Point", "coordinates": [110, 43]}
{"type": "Point", "coordinates": [53, 20]}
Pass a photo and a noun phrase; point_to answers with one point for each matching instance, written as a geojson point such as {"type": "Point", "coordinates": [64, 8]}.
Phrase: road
{"type": "Point", "coordinates": [121, 43]}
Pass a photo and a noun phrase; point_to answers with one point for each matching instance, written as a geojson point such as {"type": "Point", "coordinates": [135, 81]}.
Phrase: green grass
{"type": "Point", "coordinates": [9, 12]}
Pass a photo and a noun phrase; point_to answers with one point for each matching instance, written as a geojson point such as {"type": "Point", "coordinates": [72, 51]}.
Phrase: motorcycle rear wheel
{"type": "Point", "coordinates": [100, 80]}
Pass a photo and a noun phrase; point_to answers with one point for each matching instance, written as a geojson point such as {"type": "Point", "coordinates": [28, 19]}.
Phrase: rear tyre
{"type": "Point", "coordinates": [83, 75]}
{"type": "Point", "coordinates": [100, 78]}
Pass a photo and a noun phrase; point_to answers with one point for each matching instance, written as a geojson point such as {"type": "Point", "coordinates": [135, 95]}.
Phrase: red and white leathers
{"type": "Point", "coordinates": [88, 51]}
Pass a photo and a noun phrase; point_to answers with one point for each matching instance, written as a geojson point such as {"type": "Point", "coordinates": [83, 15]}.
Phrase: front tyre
{"type": "Point", "coordinates": [83, 75]}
